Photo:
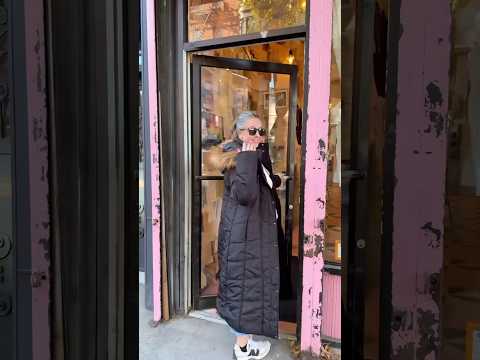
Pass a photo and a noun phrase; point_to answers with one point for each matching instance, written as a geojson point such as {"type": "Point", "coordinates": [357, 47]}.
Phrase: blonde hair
{"type": "Point", "coordinates": [242, 120]}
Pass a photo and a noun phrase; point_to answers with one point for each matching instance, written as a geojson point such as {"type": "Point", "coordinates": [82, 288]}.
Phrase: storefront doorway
{"type": "Point", "coordinates": [220, 69]}
{"type": "Point", "coordinates": [221, 89]}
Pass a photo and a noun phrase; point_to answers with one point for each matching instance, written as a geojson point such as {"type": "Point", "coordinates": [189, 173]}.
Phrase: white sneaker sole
{"type": "Point", "coordinates": [258, 357]}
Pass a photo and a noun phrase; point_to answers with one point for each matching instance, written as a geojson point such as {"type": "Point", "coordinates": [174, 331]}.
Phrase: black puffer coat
{"type": "Point", "coordinates": [249, 277]}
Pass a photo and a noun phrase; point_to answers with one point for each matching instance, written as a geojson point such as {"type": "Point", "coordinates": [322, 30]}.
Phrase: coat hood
{"type": "Point", "coordinates": [222, 157]}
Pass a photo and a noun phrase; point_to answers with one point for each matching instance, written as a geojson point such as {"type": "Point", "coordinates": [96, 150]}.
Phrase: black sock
{"type": "Point", "coordinates": [244, 348]}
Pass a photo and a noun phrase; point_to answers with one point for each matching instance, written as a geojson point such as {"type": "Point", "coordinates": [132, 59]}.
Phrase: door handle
{"type": "Point", "coordinates": [210, 177]}
{"type": "Point", "coordinates": [353, 174]}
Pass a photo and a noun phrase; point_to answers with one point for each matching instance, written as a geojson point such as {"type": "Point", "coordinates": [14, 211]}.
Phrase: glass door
{"type": "Point", "coordinates": [222, 88]}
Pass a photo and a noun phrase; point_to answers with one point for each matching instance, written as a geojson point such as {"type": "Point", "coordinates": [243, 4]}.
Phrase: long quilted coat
{"type": "Point", "coordinates": [249, 277]}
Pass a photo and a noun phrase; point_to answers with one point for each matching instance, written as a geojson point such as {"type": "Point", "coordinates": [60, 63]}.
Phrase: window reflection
{"type": "Point", "coordinates": [212, 193]}
{"type": "Point", "coordinates": [225, 93]}
{"type": "Point", "coordinates": [209, 19]}
{"type": "Point", "coordinates": [332, 250]}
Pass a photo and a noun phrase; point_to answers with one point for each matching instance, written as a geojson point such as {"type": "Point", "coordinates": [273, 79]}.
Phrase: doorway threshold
{"type": "Point", "coordinates": [287, 330]}
{"type": "Point", "coordinates": [208, 315]}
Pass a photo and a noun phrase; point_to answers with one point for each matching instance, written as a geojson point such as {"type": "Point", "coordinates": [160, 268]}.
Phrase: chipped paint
{"type": "Point", "coordinates": [403, 352]}
{"type": "Point", "coordinates": [152, 111]}
{"type": "Point", "coordinates": [402, 320]}
{"type": "Point", "coordinates": [420, 164]}
{"type": "Point", "coordinates": [313, 246]}
{"type": "Point", "coordinates": [428, 334]}
{"type": "Point", "coordinates": [433, 105]}
{"type": "Point", "coordinates": [38, 177]}
{"type": "Point", "coordinates": [434, 236]}
{"type": "Point", "coordinates": [321, 150]}
{"type": "Point", "coordinates": [319, 57]}
{"type": "Point", "coordinates": [434, 96]}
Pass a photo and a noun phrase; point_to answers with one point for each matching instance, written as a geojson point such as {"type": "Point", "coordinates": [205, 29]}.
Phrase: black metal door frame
{"type": "Point", "coordinates": [355, 188]}
{"type": "Point", "coordinates": [395, 30]}
{"type": "Point", "coordinates": [207, 61]}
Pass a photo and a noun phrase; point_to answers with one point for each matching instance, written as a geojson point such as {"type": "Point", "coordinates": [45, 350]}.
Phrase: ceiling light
{"type": "Point", "coordinates": [290, 58]}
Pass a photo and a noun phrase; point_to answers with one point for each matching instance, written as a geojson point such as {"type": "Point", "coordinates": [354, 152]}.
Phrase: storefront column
{"type": "Point", "coordinates": [24, 184]}
{"type": "Point", "coordinates": [152, 157]}
{"type": "Point", "coordinates": [315, 185]}
{"type": "Point", "coordinates": [415, 166]}
{"type": "Point", "coordinates": [38, 176]}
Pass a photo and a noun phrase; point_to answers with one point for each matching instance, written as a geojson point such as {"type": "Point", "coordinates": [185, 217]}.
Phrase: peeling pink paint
{"type": "Point", "coordinates": [319, 57]}
{"type": "Point", "coordinates": [151, 52]}
{"type": "Point", "coordinates": [38, 181]}
{"type": "Point", "coordinates": [420, 165]}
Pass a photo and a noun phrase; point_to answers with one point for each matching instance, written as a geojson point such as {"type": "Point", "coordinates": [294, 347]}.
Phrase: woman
{"type": "Point", "coordinates": [249, 276]}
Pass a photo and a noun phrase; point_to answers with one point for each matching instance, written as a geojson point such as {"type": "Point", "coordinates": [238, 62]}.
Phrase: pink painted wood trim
{"type": "Point", "coordinates": [38, 177]}
{"type": "Point", "coordinates": [332, 306]}
{"type": "Point", "coordinates": [319, 57]}
{"type": "Point", "coordinates": [420, 163]}
{"type": "Point", "coordinates": [151, 52]}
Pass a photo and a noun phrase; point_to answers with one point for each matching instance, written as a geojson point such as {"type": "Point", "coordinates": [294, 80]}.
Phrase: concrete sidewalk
{"type": "Point", "coordinates": [190, 338]}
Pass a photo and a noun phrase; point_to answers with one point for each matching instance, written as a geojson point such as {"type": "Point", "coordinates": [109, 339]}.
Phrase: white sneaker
{"type": "Point", "coordinates": [255, 350]}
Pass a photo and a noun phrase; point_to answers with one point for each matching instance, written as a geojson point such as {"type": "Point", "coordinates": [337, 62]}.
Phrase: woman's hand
{"type": "Point", "coordinates": [249, 146]}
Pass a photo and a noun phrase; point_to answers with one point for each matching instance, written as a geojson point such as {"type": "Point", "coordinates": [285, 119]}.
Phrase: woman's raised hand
{"type": "Point", "coordinates": [249, 146]}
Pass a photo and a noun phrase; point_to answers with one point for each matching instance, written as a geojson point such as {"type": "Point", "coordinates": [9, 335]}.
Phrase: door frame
{"type": "Point", "coordinates": [197, 62]}
{"type": "Point", "coordinates": [173, 50]}
{"type": "Point", "coordinates": [355, 194]}
{"type": "Point", "coordinates": [173, 72]}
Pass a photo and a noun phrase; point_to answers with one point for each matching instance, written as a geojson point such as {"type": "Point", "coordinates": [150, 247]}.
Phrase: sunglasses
{"type": "Point", "coordinates": [252, 131]}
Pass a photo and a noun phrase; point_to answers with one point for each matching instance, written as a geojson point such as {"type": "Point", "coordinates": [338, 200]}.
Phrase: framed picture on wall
{"type": "Point", "coordinates": [281, 98]}
{"type": "Point", "coordinates": [240, 101]}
